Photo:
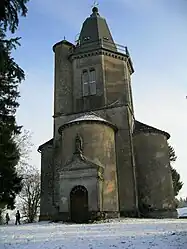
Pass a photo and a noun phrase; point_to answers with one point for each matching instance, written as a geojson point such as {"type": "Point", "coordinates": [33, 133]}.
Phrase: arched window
{"type": "Point", "coordinates": [89, 82]}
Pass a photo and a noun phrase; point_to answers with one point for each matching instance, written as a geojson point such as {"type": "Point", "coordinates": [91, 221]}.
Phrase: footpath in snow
{"type": "Point", "coordinates": [126, 233]}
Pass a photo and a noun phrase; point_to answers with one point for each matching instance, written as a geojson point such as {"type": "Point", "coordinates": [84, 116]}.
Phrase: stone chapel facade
{"type": "Point", "coordinates": [101, 161]}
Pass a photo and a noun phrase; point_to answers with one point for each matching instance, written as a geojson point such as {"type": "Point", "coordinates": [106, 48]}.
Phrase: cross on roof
{"type": "Point", "coordinates": [95, 4]}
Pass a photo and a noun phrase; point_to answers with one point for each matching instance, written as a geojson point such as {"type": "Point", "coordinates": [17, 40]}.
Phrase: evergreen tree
{"type": "Point", "coordinates": [177, 184]}
{"type": "Point", "coordinates": [11, 76]}
{"type": "Point", "coordinates": [9, 11]}
{"type": "Point", "coordinates": [172, 154]}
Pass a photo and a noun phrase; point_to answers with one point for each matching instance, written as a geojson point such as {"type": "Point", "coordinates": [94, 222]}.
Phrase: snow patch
{"type": "Point", "coordinates": [119, 233]}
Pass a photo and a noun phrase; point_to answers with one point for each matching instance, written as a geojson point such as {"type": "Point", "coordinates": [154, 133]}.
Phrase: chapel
{"type": "Point", "coordinates": [101, 162]}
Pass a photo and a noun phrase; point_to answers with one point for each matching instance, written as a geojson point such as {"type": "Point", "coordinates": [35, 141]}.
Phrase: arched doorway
{"type": "Point", "coordinates": [79, 204]}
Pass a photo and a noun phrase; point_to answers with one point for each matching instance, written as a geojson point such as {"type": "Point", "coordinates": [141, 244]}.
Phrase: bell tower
{"type": "Point", "coordinates": [94, 75]}
{"type": "Point", "coordinates": [101, 68]}
{"type": "Point", "coordinates": [98, 149]}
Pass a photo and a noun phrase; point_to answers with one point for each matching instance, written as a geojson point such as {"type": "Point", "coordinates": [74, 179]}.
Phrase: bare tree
{"type": "Point", "coordinates": [25, 145]}
{"type": "Point", "coordinates": [29, 197]}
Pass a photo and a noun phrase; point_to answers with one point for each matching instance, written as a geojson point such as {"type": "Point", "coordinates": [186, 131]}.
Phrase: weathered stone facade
{"type": "Point", "coordinates": [101, 162]}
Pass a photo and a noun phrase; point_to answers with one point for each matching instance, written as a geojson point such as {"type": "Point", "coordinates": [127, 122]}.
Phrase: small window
{"type": "Point", "coordinates": [92, 82]}
{"type": "Point", "coordinates": [85, 83]}
{"type": "Point", "coordinates": [89, 82]}
{"type": "Point", "coordinates": [86, 38]}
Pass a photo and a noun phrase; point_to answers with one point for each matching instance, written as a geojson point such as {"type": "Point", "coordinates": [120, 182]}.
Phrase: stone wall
{"type": "Point", "coordinates": [112, 82]}
{"type": "Point", "coordinates": [85, 177]}
{"type": "Point", "coordinates": [154, 179]}
{"type": "Point", "coordinates": [123, 119]}
{"type": "Point", "coordinates": [46, 205]}
{"type": "Point", "coordinates": [117, 81]}
{"type": "Point", "coordinates": [99, 148]}
{"type": "Point", "coordinates": [63, 90]}
{"type": "Point", "coordinates": [124, 152]}
{"type": "Point", "coordinates": [81, 103]}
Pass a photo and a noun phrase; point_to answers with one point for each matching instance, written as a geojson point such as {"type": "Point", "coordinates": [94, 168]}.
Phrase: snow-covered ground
{"type": "Point", "coordinates": [126, 233]}
{"type": "Point", "coordinates": [182, 212]}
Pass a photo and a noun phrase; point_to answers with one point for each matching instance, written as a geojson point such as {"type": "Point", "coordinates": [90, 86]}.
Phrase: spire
{"type": "Point", "coordinates": [95, 32]}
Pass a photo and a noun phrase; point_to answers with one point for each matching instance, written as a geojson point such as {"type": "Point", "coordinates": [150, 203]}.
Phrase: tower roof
{"type": "Point", "coordinates": [95, 31]}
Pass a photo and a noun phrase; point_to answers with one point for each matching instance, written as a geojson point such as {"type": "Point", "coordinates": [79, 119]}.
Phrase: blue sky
{"type": "Point", "coordinates": [156, 36]}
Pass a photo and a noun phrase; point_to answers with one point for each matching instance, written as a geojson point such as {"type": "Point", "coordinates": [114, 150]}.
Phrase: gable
{"type": "Point", "coordinates": [80, 162]}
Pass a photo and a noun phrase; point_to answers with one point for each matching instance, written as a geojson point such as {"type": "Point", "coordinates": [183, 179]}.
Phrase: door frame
{"type": "Point", "coordinates": [72, 193]}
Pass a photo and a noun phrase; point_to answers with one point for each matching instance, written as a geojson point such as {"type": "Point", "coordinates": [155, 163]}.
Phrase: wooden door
{"type": "Point", "coordinates": [79, 204]}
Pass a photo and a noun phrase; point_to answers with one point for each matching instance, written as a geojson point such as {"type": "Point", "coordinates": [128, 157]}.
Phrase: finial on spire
{"type": "Point", "coordinates": [95, 8]}
{"type": "Point", "coordinates": [95, 4]}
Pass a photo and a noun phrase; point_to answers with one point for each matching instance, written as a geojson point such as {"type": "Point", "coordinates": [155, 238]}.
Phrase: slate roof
{"type": "Point", "coordinates": [141, 127]}
{"type": "Point", "coordinates": [92, 117]}
{"type": "Point", "coordinates": [89, 117]}
{"type": "Point", "coordinates": [95, 29]}
{"type": "Point", "coordinates": [49, 142]}
{"type": "Point", "coordinates": [63, 42]}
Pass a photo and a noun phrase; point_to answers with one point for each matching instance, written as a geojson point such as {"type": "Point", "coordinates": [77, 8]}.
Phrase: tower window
{"type": "Point", "coordinates": [85, 83]}
{"type": "Point", "coordinates": [86, 38]}
{"type": "Point", "coordinates": [89, 82]}
{"type": "Point", "coordinates": [92, 82]}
